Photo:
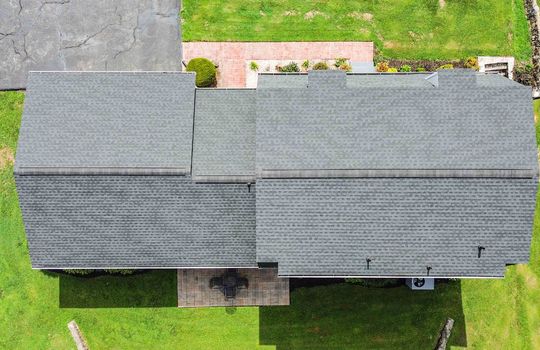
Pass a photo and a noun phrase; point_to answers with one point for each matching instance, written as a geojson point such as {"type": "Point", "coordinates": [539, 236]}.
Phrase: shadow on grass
{"type": "Point", "coordinates": [347, 316]}
{"type": "Point", "coordinates": [152, 289]}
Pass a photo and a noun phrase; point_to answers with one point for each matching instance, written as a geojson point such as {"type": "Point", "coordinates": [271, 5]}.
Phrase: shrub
{"type": "Point", "coordinates": [205, 71]}
{"type": "Point", "coordinates": [320, 66]}
{"type": "Point", "coordinates": [289, 68]}
{"type": "Point", "coordinates": [346, 67]}
{"type": "Point", "coordinates": [405, 68]}
{"type": "Point", "coordinates": [79, 272]}
{"type": "Point", "coordinates": [392, 70]}
{"type": "Point", "coordinates": [340, 61]}
{"type": "Point", "coordinates": [254, 66]}
{"type": "Point", "coordinates": [524, 73]}
{"type": "Point", "coordinates": [420, 69]}
{"type": "Point", "coordinates": [382, 66]}
{"type": "Point", "coordinates": [376, 282]}
{"type": "Point", "coordinates": [472, 63]}
{"type": "Point", "coordinates": [446, 66]}
{"type": "Point", "coordinates": [305, 64]}
{"type": "Point", "coordinates": [120, 272]}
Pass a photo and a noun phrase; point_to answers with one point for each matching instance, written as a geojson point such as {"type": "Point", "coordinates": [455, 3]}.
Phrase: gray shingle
{"type": "Point", "coordinates": [454, 126]}
{"type": "Point", "coordinates": [330, 226]}
{"type": "Point", "coordinates": [224, 136]}
{"type": "Point", "coordinates": [105, 119]}
{"type": "Point", "coordinates": [136, 221]}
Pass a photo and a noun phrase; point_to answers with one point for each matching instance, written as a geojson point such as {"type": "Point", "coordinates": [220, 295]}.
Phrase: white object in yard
{"type": "Point", "coordinates": [493, 64]}
{"type": "Point", "coordinates": [420, 283]}
{"type": "Point", "coordinates": [77, 336]}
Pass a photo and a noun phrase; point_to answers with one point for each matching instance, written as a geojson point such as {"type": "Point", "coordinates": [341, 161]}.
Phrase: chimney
{"type": "Point", "coordinates": [327, 79]}
{"type": "Point", "coordinates": [454, 78]}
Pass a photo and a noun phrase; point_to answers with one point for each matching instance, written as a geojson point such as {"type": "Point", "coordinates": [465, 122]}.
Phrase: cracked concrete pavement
{"type": "Point", "coordinates": [87, 35]}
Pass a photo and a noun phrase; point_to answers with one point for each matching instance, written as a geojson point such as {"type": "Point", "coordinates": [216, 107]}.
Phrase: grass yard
{"type": "Point", "coordinates": [404, 29]}
{"type": "Point", "coordinates": [138, 312]}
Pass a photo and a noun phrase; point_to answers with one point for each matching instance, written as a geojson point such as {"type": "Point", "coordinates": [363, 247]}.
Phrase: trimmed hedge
{"type": "Point", "coordinates": [205, 71]}
{"type": "Point", "coordinates": [376, 282]}
{"type": "Point", "coordinates": [88, 272]}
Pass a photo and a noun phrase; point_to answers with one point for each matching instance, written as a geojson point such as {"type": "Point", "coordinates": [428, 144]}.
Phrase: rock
{"type": "Point", "coordinates": [87, 35]}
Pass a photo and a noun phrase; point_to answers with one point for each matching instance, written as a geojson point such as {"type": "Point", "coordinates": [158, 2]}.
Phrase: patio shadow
{"type": "Point", "coordinates": [150, 289]}
{"type": "Point", "coordinates": [347, 316]}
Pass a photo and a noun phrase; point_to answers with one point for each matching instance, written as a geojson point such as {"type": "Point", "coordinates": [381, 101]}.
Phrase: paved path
{"type": "Point", "coordinates": [87, 35]}
{"type": "Point", "coordinates": [232, 56]}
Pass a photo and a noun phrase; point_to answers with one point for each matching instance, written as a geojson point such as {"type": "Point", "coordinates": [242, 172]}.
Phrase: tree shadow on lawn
{"type": "Point", "coordinates": [155, 288]}
{"type": "Point", "coordinates": [354, 317]}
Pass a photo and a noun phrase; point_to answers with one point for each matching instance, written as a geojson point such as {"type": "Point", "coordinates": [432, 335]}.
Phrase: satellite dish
{"type": "Point", "coordinates": [419, 282]}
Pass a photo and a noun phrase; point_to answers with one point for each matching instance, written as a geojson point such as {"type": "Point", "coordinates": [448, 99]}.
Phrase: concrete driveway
{"type": "Point", "coordinates": [87, 35]}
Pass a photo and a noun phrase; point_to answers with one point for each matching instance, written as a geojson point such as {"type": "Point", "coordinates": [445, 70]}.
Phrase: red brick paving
{"type": "Point", "coordinates": [232, 56]}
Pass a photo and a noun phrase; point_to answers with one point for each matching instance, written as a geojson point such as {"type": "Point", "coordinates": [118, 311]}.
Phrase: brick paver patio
{"type": "Point", "coordinates": [232, 56]}
{"type": "Point", "coordinates": [264, 288]}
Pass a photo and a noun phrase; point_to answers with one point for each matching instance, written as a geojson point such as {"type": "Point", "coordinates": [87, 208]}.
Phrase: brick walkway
{"type": "Point", "coordinates": [232, 56]}
{"type": "Point", "coordinates": [264, 288]}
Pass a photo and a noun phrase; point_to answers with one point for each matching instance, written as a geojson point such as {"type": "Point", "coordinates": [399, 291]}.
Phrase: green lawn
{"type": "Point", "coordinates": [405, 29]}
{"type": "Point", "coordinates": [137, 312]}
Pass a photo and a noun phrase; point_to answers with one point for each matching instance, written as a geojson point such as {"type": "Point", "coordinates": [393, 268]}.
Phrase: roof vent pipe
{"type": "Point", "coordinates": [480, 248]}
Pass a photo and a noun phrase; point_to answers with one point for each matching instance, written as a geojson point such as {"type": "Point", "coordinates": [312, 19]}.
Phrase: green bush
{"type": "Point", "coordinates": [382, 67]}
{"type": "Point", "coordinates": [320, 66]}
{"type": "Point", "coordinates": [340, 62]}
{"type": "Point", "coordinates": [420, 69]}
{"type": "Point", "coordinates": [392, 70]}
{"type": "Point", "coordinates": [446, 66]}
{"type": "Point", "coordinates": [405, 68]}
{"type": "Point", "coordinates": [289, 68]}
{"type": "Point", "coordinates": [376, 282]}
{"type": "Point", "coordinates": [254, 66]}
{"type": "Point", "coordinates": [120, 271]}
{"type": "Point", "coordinates": [78, 272]}
{"type": "Point", "coordinates": [306, 64]}
{"type": "Point", "coordinates": [81, 272]}
{"type": "Point", "coordinates": [205, 71]}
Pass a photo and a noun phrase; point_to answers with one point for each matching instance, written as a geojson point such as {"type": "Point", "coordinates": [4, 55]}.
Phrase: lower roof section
{"type": "Point", "coordinates": [136, 221]}
{"type": "Point", "coordinates": [331, 227]}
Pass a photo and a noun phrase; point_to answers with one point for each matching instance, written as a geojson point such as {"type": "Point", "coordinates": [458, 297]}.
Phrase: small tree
{"type": "Point", "coordinates": [205, 71]}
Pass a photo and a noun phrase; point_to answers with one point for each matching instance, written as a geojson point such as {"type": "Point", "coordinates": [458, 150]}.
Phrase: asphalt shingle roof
{"type": "Point", "coordinates": [380, 80]}
{"type": "Point", "coordinates": [456, 125]}
{"type": "Point", "coordinates": [136, 221]}
{"type": "Point", "coordinates": [330, 227]}
{"type": "Point", "coordinates": [407, 171]}
{"type": "Point", "coordinates": [224, 136]}
{"type": "Point", "coordinates": [107, 120]}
